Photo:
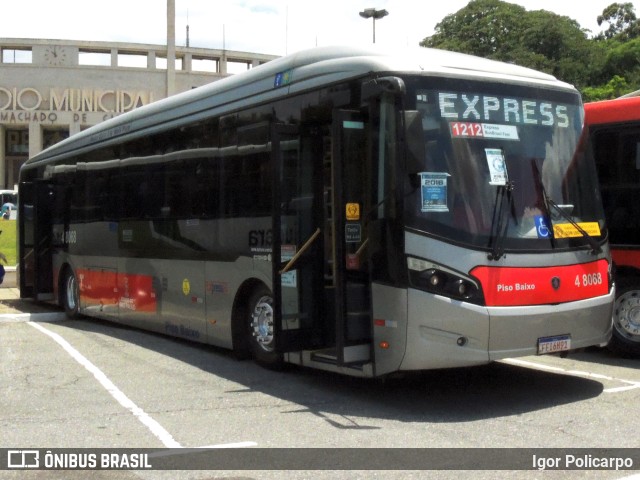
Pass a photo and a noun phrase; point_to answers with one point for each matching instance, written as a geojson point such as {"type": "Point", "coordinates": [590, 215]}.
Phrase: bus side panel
{"type": "Point", "coordinates": [166, 296]}
{"type": "Point", "coordinates": [626, 257]}
{"type": "Point", "coordinates": [389, 326]}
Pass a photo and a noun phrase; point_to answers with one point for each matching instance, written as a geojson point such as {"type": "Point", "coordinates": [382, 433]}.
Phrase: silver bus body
{"type": "Point", "coordinates": [382, 268]}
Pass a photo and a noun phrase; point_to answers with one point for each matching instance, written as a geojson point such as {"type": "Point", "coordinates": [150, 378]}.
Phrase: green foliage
{"type": "Point", "coordinates": [8, 240]}
{"type": "Point", "coordinates": [603, 66]}
{"type": "Point", "coordinates": [616, 87]}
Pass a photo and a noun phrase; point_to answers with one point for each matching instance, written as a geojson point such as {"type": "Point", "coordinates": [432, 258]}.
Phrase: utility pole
{"type": "Point", "coordinates": [171, 47]}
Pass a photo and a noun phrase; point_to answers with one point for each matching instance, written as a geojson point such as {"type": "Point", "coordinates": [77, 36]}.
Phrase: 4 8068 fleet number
{"type": "Point", "coordinates": [588, 279]}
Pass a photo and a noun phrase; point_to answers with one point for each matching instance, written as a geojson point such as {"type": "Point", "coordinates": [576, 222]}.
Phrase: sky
{"type": "Point", "coordinates": [275, 27]}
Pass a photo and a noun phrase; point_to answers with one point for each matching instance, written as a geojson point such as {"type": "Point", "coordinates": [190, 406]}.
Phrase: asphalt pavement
{"type": "Point", "coordinates": [10, 301]}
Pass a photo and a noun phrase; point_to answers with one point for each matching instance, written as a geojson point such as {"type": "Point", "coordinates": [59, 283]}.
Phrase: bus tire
{"type": "Point", "coordinates": [260, 331]}
{"type": "Point", "coordinates": [625, 340]}
{"type": "Point", "coordinates": [70, 294]}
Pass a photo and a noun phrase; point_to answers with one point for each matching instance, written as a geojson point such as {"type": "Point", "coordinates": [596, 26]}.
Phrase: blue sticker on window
{"type": "Point", "coordinates": [542, 226]}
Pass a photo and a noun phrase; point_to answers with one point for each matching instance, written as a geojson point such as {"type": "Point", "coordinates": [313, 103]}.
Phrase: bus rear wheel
{"type": "Point", "coordinates": [70, 295]}
{"type": "Point", "coordinates": [625, 340]}
{"type": "Point", "coordinates": [260, 330]}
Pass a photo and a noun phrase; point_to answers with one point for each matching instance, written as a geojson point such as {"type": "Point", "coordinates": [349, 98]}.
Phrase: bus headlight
{"type": "Point", "coordinates": [437, 279]}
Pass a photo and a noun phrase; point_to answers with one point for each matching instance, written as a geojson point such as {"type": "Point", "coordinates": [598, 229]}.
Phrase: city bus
{"type": "Point", "coordinates": [340, 208]}
{"type": "Point", "coordinates": [614, 128]}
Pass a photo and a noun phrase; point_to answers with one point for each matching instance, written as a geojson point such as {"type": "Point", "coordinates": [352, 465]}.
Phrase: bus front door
{"type": "Point", "coordinates": [347, 284]}
{"type": "Point", "coordinates": [321, 280]}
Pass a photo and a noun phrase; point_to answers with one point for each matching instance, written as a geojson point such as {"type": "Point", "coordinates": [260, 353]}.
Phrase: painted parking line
{"type": "Point", "coordinates": [32, 317]}
{"type": "Point", "coordinates": [156, 429]}
{"type": "Point", "coordinates": [630, 384]}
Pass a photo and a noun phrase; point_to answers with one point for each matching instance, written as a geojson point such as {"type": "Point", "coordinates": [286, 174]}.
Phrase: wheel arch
{"type": "Point", "coordinates": [626, 275]}
{"type": "Point", "coordinates": [623, 342]}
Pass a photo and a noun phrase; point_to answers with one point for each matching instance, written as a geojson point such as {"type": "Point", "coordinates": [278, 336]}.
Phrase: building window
{"type": "Point", "coordinates": [51, 137]}
{"type": "Point", "coordinates": [17, 55]}
{"type": "Point", "coordinates": [204, 65]}
{"type": "Point", "coordinates": [17, 142]}
{"type": "Point", "coordinates": [137, 60]}
{"type": "Point", "coordinates": [161, 63]}
{"type": "Point", "coordinates": [94, 58]}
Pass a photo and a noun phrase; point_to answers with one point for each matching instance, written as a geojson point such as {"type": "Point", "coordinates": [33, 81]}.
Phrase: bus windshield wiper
{"type": "Point", "coordinates": [549, 202]}
{"type": "Point", "coordinates": [499, 221]}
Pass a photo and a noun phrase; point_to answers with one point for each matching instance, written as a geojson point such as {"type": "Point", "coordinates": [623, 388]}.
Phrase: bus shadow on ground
{"type": "Point", "coordinates": [438, 396]}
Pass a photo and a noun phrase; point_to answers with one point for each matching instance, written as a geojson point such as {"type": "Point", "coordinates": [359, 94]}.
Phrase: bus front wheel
{"type": "Point", "coordinates": [261, 328]}
{"type": "Point", "coordinates": [70, 295]}
{"type": "Point", "coordinates": [625, 340]}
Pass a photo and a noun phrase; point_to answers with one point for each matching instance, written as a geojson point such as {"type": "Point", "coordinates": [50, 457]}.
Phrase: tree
{"type": "Point", "coordinates": [486, 28]}
{"type": "Point", "coordinates": [503, 31]}
{"type": "Point", "coordinates": [623, 59]}
{"type": "Point", "coordinates": [622, 21]}
{"type": "Point", "coordinates": [616, 87]}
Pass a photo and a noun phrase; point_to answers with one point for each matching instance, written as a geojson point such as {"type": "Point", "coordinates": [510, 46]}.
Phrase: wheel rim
{"type": "Point", "coordinates": [626, 315]}
{"type": "Point", "coordinates": [262, 323]}
{"type": "Point", "coordinates": [71, 292]}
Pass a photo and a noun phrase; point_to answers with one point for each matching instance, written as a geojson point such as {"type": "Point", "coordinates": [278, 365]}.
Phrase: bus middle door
{"type": "Point", "coordinates": [297, 240]}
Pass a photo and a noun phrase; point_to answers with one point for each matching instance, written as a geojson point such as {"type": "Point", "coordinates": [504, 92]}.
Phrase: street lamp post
{"type": "Point", "coordinates": [376, 15]}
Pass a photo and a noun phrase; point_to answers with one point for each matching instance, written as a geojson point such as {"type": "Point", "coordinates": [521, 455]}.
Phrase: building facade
{"type": "Point", "coordinates": [50, 89]}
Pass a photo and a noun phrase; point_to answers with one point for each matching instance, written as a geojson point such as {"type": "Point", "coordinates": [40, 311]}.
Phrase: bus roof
{"type": "Point", "coordinates": [612, 111]}
{"type": "Point", "coordinates": [294, 73]}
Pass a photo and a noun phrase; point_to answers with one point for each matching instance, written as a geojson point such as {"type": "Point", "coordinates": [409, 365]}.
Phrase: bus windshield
{"type": "Point", "coordinates": [500, 167]}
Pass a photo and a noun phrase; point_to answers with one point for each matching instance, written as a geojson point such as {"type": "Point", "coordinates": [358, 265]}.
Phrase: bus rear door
{"type": "Point", "coordinates": [36, 263]}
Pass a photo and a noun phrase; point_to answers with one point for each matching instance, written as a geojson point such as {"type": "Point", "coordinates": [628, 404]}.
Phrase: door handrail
{"type": "Point", "coordinates": [304, 247]}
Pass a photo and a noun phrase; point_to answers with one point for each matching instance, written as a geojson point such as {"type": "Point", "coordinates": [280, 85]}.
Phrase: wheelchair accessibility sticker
{"type": "Point", "coordinates": [542, 228]}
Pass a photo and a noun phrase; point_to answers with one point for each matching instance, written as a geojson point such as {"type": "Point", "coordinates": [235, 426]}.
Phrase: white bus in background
{"type": "Point", "coordinates": [8, 204]}
{"type": "Point", "coordinates": [339, 208]}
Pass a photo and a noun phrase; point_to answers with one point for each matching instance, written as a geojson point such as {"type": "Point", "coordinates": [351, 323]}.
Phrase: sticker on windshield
{"type": "Point", "coordinates": [497, 166]}
{"type": "Point", "coordinates": [483, 130]}
{"type": "Point", "coordinates": [567, 230]}
{"type": "Point", "coordinates": [542, 226]}
{"type": "Point", "coordinates": [433, 190]}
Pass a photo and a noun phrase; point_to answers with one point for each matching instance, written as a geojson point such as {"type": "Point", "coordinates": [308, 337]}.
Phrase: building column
{"type": "Point", "coordinates": [187, 62]}
{"type": "Point", "coordinates": [222, 64]}
{"type": "Point", "coordinates": [74, 128]}
{"type": "Point", "coordinates": [35, 139]}
{"type": "Point", "coordinates": [151, 60]}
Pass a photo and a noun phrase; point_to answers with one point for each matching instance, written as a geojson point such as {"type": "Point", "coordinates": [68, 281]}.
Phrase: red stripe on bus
{"type": "Point", "coordinates": [626, 258]}
{"type": "Point", "coordinates": [521, 286]}
{"type": "Point", "coordinates": [109, 289]}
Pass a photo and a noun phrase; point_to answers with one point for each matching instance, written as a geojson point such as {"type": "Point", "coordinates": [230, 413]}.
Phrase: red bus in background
{"type": "Point", "coordinates": [614, 128]}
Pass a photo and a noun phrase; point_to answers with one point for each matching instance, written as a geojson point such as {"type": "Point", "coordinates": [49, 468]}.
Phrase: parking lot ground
{"type": "Point", "coordinates": [11, 303]}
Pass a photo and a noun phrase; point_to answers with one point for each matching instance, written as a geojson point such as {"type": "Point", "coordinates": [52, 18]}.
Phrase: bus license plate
{"type": "Point", "coordinates": [560, 343]}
